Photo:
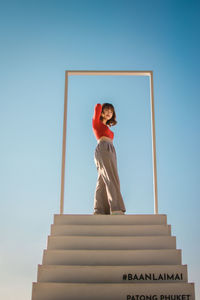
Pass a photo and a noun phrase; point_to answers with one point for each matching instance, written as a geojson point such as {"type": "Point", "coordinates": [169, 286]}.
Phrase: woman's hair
{"type": "Point", "coordinates": [112, 121]}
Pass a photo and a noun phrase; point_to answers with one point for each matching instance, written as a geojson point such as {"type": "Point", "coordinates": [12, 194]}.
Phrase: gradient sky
{"type": "Point", "coordinates": [42, 39]}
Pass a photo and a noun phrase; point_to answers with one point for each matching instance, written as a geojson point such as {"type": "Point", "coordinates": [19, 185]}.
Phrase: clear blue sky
{"type": "Point", "coordinates": [42, 39]}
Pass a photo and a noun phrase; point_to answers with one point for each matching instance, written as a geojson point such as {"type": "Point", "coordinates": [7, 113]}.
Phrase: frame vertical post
{"type": "Point", "coordinates": [64, 145]}
{"type": "Point", "coordinates": [153, 145]}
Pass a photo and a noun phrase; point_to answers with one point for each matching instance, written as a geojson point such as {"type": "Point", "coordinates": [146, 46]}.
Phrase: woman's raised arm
{"type": "Point", "coordinates": [97, 112]}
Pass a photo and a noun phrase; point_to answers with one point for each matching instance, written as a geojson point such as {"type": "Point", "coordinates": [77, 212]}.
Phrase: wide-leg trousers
{"type": "Point", "coordinates": [107, 197]}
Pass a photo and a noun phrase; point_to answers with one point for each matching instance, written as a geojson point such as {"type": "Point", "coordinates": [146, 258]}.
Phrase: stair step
{"type": "Point", "coordinates": [112, 274]}
{"type": "Point", "coordinates": [112, 257]}
{"type": "Point", "coordinates": [111, 230]}
{"type": "Point", "coordinates": [111, 242]}
{"type": "Point", "coordinates": [60, 219]}
{"type": "Point", "coordinates": [86, 291]}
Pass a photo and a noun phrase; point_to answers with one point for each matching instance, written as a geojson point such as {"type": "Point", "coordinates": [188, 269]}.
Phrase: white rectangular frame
{"type": "Point", "coordinates": [110, 73]}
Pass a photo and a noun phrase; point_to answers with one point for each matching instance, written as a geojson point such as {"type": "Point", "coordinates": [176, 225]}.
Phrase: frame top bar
{"type": "Point", "coordinates": [82, 72]}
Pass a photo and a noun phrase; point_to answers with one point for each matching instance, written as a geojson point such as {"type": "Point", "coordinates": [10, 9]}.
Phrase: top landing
{"type": "Point", "coordinates": [79, 219]}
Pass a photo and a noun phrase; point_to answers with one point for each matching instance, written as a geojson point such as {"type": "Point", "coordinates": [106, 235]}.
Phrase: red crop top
{"type": "Point", "coordinates": [99, 128]}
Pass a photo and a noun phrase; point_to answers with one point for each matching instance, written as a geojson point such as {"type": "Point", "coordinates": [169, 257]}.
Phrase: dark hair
{"type": "Point", "coordinates": [112, 121]}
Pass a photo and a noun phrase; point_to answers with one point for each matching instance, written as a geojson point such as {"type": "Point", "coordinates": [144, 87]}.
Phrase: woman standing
{"type": "Point", "coordinates": [107, 198]}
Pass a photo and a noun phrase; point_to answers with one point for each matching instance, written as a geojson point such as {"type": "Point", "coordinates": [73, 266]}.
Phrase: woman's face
{"type": "Point", "coordinates": [107, 113]}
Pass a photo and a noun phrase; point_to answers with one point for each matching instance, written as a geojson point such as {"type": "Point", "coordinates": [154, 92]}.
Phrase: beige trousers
{"type": "Point", "coordinates": [107, 197]}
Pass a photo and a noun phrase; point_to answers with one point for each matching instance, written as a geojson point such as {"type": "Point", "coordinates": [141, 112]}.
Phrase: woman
{"type": "Point", "coordinates": [107, 198]}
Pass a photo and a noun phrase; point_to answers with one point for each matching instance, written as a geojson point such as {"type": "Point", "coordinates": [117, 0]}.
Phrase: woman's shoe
{"type": "Point", "coordinates": [117, 212]}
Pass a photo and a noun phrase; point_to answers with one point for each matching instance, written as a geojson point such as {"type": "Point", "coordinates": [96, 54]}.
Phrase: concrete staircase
{"type": "Point", "coordinates": [105, 257]}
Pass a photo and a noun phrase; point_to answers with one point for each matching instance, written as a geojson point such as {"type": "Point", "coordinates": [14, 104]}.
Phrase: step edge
{"type": "Point", "coordinates": [185, 266]}
{"type": "Point", "coordinates": [117, 283]}
{"type": "Point", "coordinates": [176, 250]}
{"type": "Point", "coordinates": [111, 236]}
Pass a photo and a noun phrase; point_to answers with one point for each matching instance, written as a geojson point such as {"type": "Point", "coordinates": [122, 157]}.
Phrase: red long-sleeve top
{"type": "Point", "coordinates": [99, 128]}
